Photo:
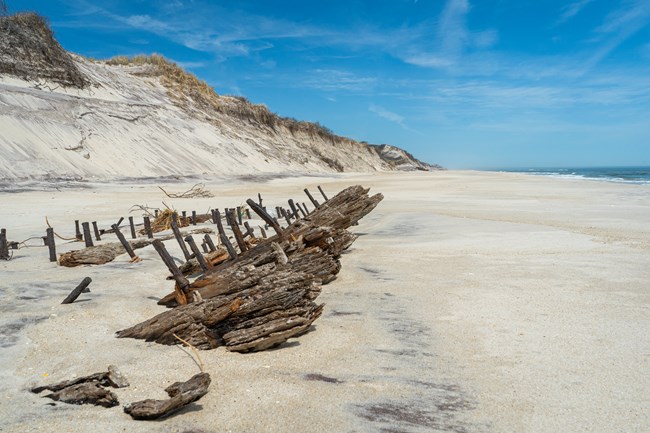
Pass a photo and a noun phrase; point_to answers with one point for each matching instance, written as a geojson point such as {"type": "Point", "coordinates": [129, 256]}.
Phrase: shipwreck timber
{"type": "Point", "coordinates": [267, 293]}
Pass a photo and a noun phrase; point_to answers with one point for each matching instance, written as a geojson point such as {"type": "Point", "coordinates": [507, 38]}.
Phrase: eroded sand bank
{"type": "Point", "coordinates": [472, 302]}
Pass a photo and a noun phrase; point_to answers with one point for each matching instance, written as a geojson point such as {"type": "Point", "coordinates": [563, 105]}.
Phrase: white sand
{"type": "Point", "coordinates": [473, 302]}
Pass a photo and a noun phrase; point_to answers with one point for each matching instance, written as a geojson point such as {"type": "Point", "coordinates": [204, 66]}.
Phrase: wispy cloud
{"type": "Point", "coordinates": [571, 10]}
{"type": "Point", "coordinates": [337, 80]}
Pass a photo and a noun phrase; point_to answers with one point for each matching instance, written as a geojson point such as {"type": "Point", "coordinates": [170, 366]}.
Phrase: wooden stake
{"type": "Point", "coordinates": [306, 208]}
{"type": "Point", "coordinates": [292, 205]}
{"type": "Point", "coordinates": [219, 224]}
{"type": "Point", "coordinates": [239, 237]}
{"type": "Point", "coordinates": [147, 227]}
{"type": "Point", "coordinates": [229, 247]}
{"type": "Point", "coordinates": [197, 254]}
{"type": "Point", "coordinates": [96, 230]}
{"type": "Point", "coordinates": [182, 282]}
{"type": "Point", "coordinates": [259, 197]}
{"type": "Point", "coordinates": [120, 221]}
{"type": "Point", "coordinates": [87, 238]}
{"type": "Point", "coordinates": [50, 243]}
{"type": "Point", "coordinates": [208, 241]}
{"type": "Point", "coordinates": [204, 247]}
{"type": "Point", "coordinates": [123, 241]}
{"type": "Point", "coordinates": [265, 216]}
{"type": "Point", "coordinates": [249, 230]}
{"type": "Point", "coordinates": [263, 232]}
{"type": "Point", "coordinates": [312, 199]}
{"type": "Point", "coordinates": [77, 232]}
{"type": "Point", "coordinates": [302, 211]}
{"type": "Point", "coordinates": [248, 213]}
{"type": "Point", "coordinates": [193, 217]}
{"type": "Point", "coordinates": [133, 236]}
{"type": "Point", "coordinates": [179, 238]}
{"type": "Point", "coordinates": [4, 249]}
{"type": "Point", "coordinates": [77, 290]}
{"type": "Point", "coordinates": [322, 193]}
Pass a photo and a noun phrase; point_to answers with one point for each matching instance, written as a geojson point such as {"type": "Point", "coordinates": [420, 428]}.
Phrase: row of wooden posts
{"type": "Point", "coordinates": [233, 217]}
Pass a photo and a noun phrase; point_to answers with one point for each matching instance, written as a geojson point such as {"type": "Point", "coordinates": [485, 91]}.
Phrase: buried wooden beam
{"type": "Point", "coordinates": [265, 216]}
{"type": "Point", "coordinates": [77, 291]}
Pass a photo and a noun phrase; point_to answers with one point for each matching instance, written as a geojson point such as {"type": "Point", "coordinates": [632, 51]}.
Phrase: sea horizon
{"type": "Point", "coordinates": [639, 175]}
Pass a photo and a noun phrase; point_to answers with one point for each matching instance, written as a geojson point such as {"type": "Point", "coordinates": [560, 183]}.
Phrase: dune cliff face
{"type": "Point", "coordinates": [63, 116]}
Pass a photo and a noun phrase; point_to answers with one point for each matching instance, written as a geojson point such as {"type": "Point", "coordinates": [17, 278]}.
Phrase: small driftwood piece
{"type": "Point", "coordinates": [82, 287]}
{"type": "Point", "coordinates": [87, 389]}
{"type": "Point", "coordinates": [270, 289]}
{"type": "Point", "coordinates": [196, 191]}
{"type": "Point", "coordinates": [100, 254]}
{"type": "Point", "coordinates": [181, 394]}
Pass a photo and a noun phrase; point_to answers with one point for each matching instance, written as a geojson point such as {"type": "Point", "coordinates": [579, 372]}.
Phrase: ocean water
{"type": "Point", "coordinates": [634, 175]}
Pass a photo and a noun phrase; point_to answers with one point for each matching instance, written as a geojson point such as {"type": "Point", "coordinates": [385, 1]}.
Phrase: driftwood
{"type": "Point", "coordinates": [88, 389]}
{"type": "Point", "coordinates": [81, 288]}
{"type": "Point", "coordinates": [100, 254]}
{"type": "Point", "coordinates": [266, 295]}
{"type": "Point", "coordinates": [180, 393]}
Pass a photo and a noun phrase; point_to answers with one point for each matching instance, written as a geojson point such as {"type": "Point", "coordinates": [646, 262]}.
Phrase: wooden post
{"type": "Point", "coordinates": [155, 213]}
{"type": "Point", "coordinates": [239, 237]}
{"type": "Point", "coordinates": [248, 213]}
{"type": "Point", "coordinates": [179, 238]}
{"type": "Point", "coordinates": [259, 197]}
{"type": "Point", "coordinates": [214, 216]}
{"type": "Point", "coordinates": [120, 221]}
{"type": "Point", "coordinates": [312, 199]}
{"type": "Point", "coordinates": [300, 209]}
{"type": "Point", "coordinates": [229, 247]}
{"type": "Point", "coordinates": [193, 217]}
{"type": "Point", "coordinates": [77, 232]}
{"type": "Point", "coordinates": [197, 254]}
{"type": "Point", "coordinates": [239, 215]}
{"type": "Point", "coordinates": [208, 241]}
{"type": "Point", "coordinates": [147, 227]}
{"type": "Point", "coordinates": [184, 218]}
{"type": "Point", "coordinates": [306, 208]}
{"type": "Point", "coordinates": [265, 216]}
{"type": "Point", "coordinates": [249, 230]}
{"type": "Point", "coordinates": [205, 247]}
{"type": "Point", "coordinates": [123, 241]}
{"type": "Point", "coordinates": [50, 244]}
{"type": "Point", "coordinates": [286, 216]}
{"type": "Point", "coordinates": [182, 282]}
{"type": "Point", "coordinates": [77, 290]}
{"type": "Point", "coordinates": [4, 249]}
{"type": "Point", "coordinates": [292, 205]}
{"type": "Point", "coordinates": [133, 236]}
{"type": "Point", "coordinates": [87, 238]}
{"type": "Point", "coordinates": [263, 232]}
{"type": "Point", "coordinates": [322, 193]}
{"type": "Point", "coordinates": [96, 230]}
{"type": "Point", "coordinates": [219, 224]}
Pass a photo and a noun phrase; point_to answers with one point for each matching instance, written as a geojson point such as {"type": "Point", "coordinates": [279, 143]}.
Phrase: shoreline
{"type": "Point", "coordinates": [473, 301]}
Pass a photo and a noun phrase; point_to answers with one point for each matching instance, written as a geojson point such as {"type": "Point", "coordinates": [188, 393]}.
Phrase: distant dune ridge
{"type": "Point", "coordinates": [66, 117]}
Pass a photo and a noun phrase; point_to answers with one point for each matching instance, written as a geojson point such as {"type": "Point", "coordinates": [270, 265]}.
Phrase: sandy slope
{"type": "Point", "coordinates": [472, 302]}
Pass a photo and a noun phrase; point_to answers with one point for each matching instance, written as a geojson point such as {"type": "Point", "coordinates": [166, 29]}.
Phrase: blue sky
{"type": "Point", "coordinates": [462, 83]}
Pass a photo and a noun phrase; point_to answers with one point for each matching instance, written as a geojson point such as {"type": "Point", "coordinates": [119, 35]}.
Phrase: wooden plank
{"type": "Point", "coordinates": [77, 290]}
{"type": "Point", "coordinates": [87, 238]}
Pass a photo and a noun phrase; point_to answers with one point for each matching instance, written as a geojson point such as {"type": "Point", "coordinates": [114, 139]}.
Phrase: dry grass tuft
{"type": "Point", "coordinates": [164, 221]}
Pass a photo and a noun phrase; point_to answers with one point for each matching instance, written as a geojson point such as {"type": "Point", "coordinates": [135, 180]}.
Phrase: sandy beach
{"type": "Point", "coordinates": [471, 302]}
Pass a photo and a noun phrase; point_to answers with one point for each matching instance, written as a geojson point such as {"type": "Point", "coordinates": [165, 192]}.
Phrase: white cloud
{"type": "Point", "coordinates": [572, 9]}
